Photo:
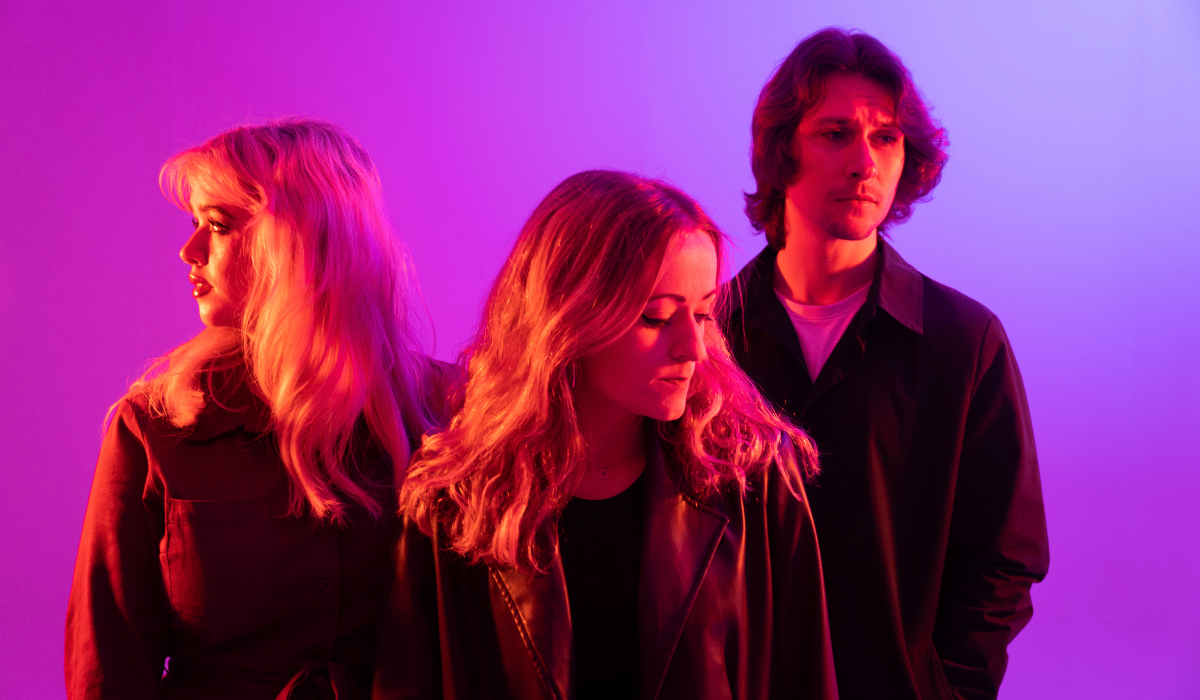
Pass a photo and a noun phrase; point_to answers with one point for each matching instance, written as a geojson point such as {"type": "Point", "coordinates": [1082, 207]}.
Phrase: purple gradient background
{"type": "Point", "coordinates": [1069, 208]}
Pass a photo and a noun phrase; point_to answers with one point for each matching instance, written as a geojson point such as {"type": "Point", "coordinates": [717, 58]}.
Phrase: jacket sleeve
{"type": "Point", "coordinates": [408, 659]}
{"type": "Point", "coordinates": [803, 656]}
{"type": "Point", "coordinates": [998, 544]}
{"type": "Point", "coordinates": [117, 616]}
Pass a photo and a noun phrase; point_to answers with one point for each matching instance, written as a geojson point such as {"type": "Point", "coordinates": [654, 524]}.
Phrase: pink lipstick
{"type": "Point", "coordinates": [201, 287]}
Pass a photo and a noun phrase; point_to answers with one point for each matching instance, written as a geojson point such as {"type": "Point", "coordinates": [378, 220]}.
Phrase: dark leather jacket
{"type": "Point", "coordinates": [731, 605]}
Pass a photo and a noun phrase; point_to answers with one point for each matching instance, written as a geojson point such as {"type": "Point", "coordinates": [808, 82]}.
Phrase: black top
{"type": "Point", "coordinates": [600, 543]}
{"type": "Point", "coordinates": [929, 506]}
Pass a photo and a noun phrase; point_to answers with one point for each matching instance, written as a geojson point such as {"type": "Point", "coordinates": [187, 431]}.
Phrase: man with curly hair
{"type": "Point", "coordinates": [929, 506]}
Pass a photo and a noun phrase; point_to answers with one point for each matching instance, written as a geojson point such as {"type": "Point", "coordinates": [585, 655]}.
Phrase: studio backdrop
{"type": "Point", "coordinates": [1069, 207]}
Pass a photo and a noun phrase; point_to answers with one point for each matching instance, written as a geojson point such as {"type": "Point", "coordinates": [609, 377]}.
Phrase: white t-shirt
{"type": "Point", "coordinates": [821, 327]}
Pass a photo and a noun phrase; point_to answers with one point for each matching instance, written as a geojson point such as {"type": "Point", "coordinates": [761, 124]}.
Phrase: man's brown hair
{"type": "Point", "coordinates": [798, 86]}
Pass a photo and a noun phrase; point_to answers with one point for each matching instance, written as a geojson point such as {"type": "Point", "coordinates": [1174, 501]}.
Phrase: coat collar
{"type": "Point", "coordinates": [239, 409]}
{"type": "Point", "coordinates": [901, 289]}
{"type": "Point", "coordinates": [680, 540]}
{"type": "Point", "coordinates": [898, 289]}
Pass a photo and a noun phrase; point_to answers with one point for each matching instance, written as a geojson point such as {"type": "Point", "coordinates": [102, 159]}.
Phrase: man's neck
{"type": "Point", "coordinates": [817, 269]}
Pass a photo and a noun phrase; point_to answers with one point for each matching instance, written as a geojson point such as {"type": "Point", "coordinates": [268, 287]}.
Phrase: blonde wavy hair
{"type": "Point", "coordinates": [326, 336]}
{"type": "Point", "coordinates": [581, 271]}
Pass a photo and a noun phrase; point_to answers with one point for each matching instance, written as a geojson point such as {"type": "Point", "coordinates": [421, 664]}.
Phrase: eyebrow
{"type": "Point", "coordinates": [842, 121]}
{"type": "Point", "coordinates": [679, 297]}
{"type": "Point", "coordinates": [213, 207]}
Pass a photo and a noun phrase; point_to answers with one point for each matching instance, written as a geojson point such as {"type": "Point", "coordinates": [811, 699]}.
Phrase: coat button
{"type": "Point", "coordinates": [326, 585]}
{"type": "Point", "coordinates": [316, 653]}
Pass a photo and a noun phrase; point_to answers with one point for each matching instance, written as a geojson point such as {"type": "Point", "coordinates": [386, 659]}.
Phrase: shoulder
{"type": "Point", "coordinates": [964, 339]}
{"type": "Point", "coordinates": [129, 441]}
{"type": "Point", "coordinates": [775, 510]}
{"type": "Point", "coordinates": [778, 489]}
{"type": "Point", "coordinates": [745, 291]}
{"type": "Point", "coordinates": [955, 320]}
{"type": "Point", "coordinates": [235, 408]}
{"type": "Point", "coordinates": [947, 308]}
{"type": "Point", "coordinates": [928, 307]}
{"type": "Point", "coordinates": [958, 334]}
{"type": "Point", "coordinates": [132, 413]}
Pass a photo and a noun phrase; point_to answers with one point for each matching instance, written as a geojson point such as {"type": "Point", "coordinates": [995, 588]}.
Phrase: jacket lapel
{"type": "Point", "coordinates": [681, 537]}
{"type": "Point", "coordinates": [539, 607]}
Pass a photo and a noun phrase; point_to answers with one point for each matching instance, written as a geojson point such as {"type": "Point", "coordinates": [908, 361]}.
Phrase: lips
{"type": "Point", "coordinates": [201, 285]}
{"type": "Point", "coordinates": [680, 381]}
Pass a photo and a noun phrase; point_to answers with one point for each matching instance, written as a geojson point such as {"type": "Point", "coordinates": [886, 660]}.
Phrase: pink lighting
{"type": "Point", "coordinates": [1064, 207]}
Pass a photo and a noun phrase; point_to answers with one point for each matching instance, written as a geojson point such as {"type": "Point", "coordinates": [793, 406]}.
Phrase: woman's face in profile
{"type": "Point", "coordinates": [648, 369]}
{"type": "Point", "coordinates": [215, 253]}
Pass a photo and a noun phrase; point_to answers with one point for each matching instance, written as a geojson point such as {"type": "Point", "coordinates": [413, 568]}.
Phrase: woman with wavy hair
{"type": "Point", "coordinates": [242, 515]}
{"type": "Point", "coordinates": [613, 511]}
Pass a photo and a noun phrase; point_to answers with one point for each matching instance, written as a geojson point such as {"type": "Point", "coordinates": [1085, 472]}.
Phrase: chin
{"type": "Point", "coordinates": [670, 413]}
{"type": "Point", "coordinates": [850, 231]}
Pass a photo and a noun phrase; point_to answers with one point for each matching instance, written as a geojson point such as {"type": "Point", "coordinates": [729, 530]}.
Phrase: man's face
{"type": "Point", "coordinates": [851, 153]}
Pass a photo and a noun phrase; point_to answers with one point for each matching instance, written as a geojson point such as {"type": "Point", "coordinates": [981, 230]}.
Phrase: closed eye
{"type": "Point", "coordinates": [654, 322]}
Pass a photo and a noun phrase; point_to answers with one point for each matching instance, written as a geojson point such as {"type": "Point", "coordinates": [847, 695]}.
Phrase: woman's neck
{"type": "Point", "coordinates": [616, 451]}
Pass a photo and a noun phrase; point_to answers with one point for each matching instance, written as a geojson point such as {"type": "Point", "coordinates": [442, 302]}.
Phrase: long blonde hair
{"type": "Point", "coordinates": [582, 268]}
{"type": "Point", "coordinates": [326, 335]}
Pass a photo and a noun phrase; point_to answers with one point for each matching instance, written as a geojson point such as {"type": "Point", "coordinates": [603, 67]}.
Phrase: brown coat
{"type": "Point", "coordinates": [731, 605]}
{"type": "Point", "coordinates": [188, 552]}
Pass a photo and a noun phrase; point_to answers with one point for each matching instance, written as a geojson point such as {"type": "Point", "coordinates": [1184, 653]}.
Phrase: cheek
{"type": "Point", "coordinates": [896, 165]}
{"type": "Point", "coordinates": [621, 364]}
{"type": "Point", "coordinates": [625, 371]}
{"type": "Point", "coordinates": [235, 269]}
{"type": "Point", "coordinates": [812, 181]}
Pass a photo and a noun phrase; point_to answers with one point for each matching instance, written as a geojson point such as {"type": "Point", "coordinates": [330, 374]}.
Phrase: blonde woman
{"type": "Point", "coordinates": [614, 511]}
{"type": "Point", "coordinates": [243, 508]}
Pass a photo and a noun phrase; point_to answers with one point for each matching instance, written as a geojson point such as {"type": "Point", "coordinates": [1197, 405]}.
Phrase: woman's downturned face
{"type": "Point", "coordinates": [218, 259]}
{"type": "Point", "coordinates": [648, 370]}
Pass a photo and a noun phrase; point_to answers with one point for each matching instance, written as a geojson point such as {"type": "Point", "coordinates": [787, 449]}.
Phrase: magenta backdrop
{"type": "Point", "coordinates": [1068, 207]}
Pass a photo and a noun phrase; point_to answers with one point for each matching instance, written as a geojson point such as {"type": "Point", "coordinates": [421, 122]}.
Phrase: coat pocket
{"type": "Point", "coordinates": [218, 556]}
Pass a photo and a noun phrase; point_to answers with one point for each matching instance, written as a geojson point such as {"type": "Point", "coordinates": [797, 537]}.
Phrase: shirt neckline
{"type": "Point", "coordinates": [817, 312]}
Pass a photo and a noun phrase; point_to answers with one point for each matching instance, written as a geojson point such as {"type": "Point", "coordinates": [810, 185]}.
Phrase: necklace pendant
{"type": "Point", "coordinates": [603, 474]}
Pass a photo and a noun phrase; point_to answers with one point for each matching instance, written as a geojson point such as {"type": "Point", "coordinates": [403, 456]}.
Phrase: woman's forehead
{"type": "Point", "coordinates": [689, 266]}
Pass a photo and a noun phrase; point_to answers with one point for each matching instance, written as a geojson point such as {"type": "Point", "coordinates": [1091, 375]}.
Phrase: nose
{"type": "Point", "coordinates": [689, 345]}
{"type": "Point", "coordinates": [861, 165]}
{"type": "Point", "coordinates": [195, 250]}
